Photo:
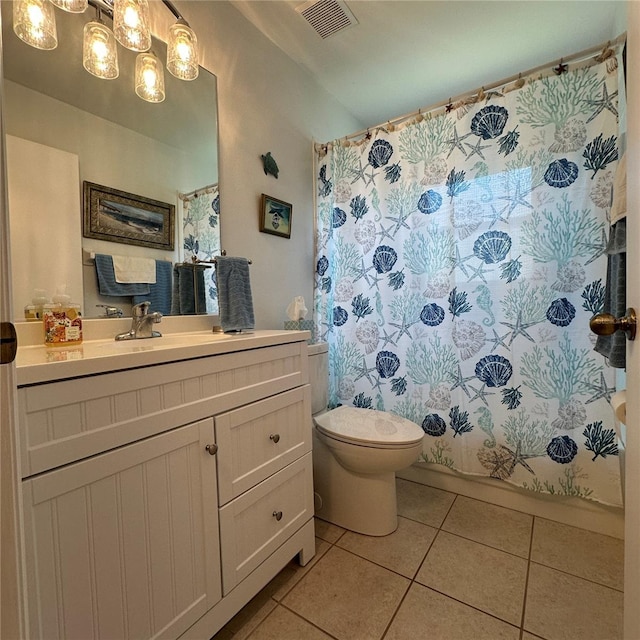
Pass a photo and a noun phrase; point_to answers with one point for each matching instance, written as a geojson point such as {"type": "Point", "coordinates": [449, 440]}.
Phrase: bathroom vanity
{"type": "Point", "coordinates": [164, 481]}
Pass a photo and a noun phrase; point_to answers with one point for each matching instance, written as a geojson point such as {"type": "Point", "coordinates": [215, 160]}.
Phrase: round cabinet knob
{"type": "Point", "coordinates": [604, 324]}
{"type": "Point", "coordinates": [212, 449]}
{"type": "Point", "coordinates": [277, 515]}
{"type": "Point", "coordinates": [275, 437]}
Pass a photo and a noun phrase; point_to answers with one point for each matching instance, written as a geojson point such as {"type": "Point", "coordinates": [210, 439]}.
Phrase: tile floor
{"type": "Point", "coordinates": [455, 569]}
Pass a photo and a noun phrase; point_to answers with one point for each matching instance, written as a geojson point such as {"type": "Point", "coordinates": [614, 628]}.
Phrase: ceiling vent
{"type": "Point", "coordinates": [327, 17]}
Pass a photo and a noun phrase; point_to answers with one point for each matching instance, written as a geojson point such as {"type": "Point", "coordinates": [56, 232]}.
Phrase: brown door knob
{"type": "Point", "coordinates": [605, 324]}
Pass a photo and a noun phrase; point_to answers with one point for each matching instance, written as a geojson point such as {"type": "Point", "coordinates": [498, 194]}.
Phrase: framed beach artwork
{"type": "Point", "coordinates": [118, 216]}
{"type": "Point", "coordinates": [275, 216]}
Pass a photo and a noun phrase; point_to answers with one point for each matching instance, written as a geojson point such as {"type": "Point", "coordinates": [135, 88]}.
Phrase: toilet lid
{"type": "Point", "coordinates": [367, 426]}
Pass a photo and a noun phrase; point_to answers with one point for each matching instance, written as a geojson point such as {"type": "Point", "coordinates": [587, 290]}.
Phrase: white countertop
{"type": "Point", "coordinates": [36, 363]}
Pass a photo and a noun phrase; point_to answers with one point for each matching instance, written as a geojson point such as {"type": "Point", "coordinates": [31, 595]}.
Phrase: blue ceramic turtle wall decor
{"type": "Point", "coordinates": [270, 166]}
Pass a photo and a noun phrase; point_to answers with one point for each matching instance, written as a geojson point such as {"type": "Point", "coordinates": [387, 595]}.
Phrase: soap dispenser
{"type": "Point", "coordinates": [62, 320]}
{"type": "Point", "coordinates": [34, 310]}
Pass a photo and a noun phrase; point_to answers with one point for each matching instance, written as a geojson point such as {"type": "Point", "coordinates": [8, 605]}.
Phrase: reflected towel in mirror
{"type": "Point", "coordinates": [188, 290]}
{"type": "Point", "coordinates": [129, 269]}
{"type": "Point", "coordinates": [159, 293]}
{"type": "Point", "coordinates": [107, 282]}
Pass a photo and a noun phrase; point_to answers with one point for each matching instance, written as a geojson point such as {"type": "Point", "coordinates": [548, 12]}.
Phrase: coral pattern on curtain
{"type": "Point", "coordinates": [460, 257]}
{"type": "Point", "coordinates": [201, 233]}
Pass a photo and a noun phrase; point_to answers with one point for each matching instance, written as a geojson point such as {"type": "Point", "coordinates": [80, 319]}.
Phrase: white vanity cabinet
{"type": "Point", "coordinates": [125, 545]}
{"type": "Point", "coordinates": [158, 500]}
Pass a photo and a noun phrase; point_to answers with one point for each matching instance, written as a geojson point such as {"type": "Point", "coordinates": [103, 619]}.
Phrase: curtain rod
{"type": "Point", "coordinates": [572, 58]}
{"type": "Point", "coordinates": [198, 192]}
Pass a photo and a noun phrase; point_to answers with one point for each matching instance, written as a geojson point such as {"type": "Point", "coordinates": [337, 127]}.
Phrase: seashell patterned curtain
{"type": "Point", "coordinates": [460, 257]}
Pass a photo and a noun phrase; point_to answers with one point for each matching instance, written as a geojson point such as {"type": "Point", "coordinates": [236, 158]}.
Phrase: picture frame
{"type": "Point", "coordinates": [276, 216]}
{"type": "Point", "coordinates": [117, 216]}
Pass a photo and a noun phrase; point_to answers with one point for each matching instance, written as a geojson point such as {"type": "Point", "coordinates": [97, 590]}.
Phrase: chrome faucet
{"type": "Point", "coordinates": [141, 321]}
{"type": "Point", "coordinates": [110, 312]}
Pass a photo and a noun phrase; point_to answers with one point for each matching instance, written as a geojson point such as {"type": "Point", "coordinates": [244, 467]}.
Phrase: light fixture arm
{"type": "Point", "coordinates": [104, 7]}
{"type": "Point", "coordinates": [173, 10]}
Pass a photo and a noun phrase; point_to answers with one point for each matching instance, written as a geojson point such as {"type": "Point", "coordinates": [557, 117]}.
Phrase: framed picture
{"type": "Point", "coordinates": [118, 216]}
{"type": "Point", "coordinates": [275, 216]}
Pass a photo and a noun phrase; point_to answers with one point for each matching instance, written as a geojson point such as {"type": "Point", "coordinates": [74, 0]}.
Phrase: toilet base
{"type": "Point", "coordinates": [362, 503]}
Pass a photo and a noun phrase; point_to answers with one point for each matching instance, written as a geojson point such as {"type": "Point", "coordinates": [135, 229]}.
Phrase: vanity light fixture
{"type": "Point", "coordinates": [34, 22]}
{"type": "Point", "coordinates": [72, 6]}
{"type": "Point", "coordinates": [131, 24]}
{"type": "Point", "coordinates": [182, 51]}
{"type": "Point", "coordinates": [99, 51]}
{"type": "Point", "coordinates": [149, 78]}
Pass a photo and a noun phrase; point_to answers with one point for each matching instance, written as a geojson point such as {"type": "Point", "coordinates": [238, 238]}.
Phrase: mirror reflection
{"type": "Point", "coordinates": [66, 127]}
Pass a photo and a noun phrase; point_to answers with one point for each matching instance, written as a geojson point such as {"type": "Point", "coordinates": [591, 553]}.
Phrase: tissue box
{"type": "Point", "coordinates": [301, 325]}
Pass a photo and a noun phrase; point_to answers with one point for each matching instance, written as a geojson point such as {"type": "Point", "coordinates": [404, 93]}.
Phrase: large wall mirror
{"type": "Point", "coordinates": [65, 127]}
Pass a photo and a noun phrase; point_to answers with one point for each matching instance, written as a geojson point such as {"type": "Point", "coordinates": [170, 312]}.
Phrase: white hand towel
{"type": "Point", "coordinates": [129, 269]}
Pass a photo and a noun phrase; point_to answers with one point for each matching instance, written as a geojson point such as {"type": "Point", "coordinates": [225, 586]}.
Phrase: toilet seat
{"type": "Point", "coordinates": [368, 427]}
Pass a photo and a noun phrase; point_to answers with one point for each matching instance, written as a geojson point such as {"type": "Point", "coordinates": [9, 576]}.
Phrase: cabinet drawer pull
{"type": "Point", "coordinates": [212, 449]}
{"type": "Point", "coordinates": [277, 515]}
{"type": "Point", "coordinates": [275, 437]}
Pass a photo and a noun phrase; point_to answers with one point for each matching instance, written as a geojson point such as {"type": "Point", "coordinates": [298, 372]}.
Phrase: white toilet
{"type": "Point", "coordinates": [356, 453]}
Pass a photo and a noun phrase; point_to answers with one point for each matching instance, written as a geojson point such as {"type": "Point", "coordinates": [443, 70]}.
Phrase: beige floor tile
{"type": "Point", "coordinates": [563, 607]}
{"type": "Point", "coordinates": [427, 614]}
{"type": "Point", "coordinates": [347, 596]}
{"type": "Point", "coordinates": [495, 526]}
{"type": "Point", "coordinates": [422, 503]}
{"type": "Point", "coordinates": [529, 636]}
{"type": "Point", "coordinates": [282, 624]}
{"type": "Point", "coordinates": [293, 573]}
{"type": "Point", "coordinates": [328, 531]}
{"type": "Point", "coordinates": [480, 576]}
{"type": "Point", "coordinates": [402, 551]}
{"type": "Point", "coordinates": [251, 615]}
{"type": "Point", "coordinates": [579, 552]}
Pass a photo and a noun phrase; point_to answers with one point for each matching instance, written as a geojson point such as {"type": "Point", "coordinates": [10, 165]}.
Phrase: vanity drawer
{"type": "Point", "coordinates": [256, 441]}
{"type": "Point", "coordinates": [69, 420]}
{"type": "Point", "coordinates": [254, 525]}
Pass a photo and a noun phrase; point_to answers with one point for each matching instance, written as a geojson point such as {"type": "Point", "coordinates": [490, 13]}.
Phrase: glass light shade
{"type": "Point", "coordinates": [99, 54]}
{"type": "Point", "coordinates": [182, 52]}
{"type": "Point", "coordinates": [131, 24]}
{"type": "Point", "coordinates": [34, 22]}
{"type": "Point", "coordinates": [149, 78]}
{"type": "Point", "coordinates": [72, 6]}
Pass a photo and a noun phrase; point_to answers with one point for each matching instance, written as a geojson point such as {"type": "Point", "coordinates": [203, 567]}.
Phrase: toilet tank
{"type": "Point", "coordinates": [319, 376]}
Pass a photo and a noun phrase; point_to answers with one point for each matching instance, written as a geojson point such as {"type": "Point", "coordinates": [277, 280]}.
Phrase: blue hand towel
{"type": "Point", "coordinates": [159, 293]}
{"type": "Point", "coordinates": [107, 280]}
{"type": "Point", "coordinates": [234, 294]}
{"type": "Point", "coordinates": [614, 347]}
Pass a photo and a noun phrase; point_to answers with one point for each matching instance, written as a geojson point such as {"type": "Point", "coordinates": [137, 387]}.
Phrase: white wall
{"type": "Point", "coordinates": [266, 102]}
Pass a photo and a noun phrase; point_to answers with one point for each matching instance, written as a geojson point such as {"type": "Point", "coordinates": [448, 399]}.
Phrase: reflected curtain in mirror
{"type": "Point", "coordinates": [201, 234]}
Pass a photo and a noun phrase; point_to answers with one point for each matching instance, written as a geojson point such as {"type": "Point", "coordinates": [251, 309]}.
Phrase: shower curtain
{"type": "Point", "coordinates": [201, 234]}
{"type": "Point", "coordinates": [460, 257]}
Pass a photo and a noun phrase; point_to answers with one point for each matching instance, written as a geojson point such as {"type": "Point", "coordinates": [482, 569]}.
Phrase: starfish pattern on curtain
{"type": "Point", "coordinates": [459, 259]}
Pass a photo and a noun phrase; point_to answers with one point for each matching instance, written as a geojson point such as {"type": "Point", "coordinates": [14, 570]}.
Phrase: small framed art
{"type": "Point", "coordinates": [275, 216]}
{"type": "Point", "coordinates": [118, 216]}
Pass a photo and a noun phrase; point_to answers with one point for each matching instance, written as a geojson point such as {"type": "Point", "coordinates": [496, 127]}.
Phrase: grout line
{"type": "Point", "coordinates": [395, 613]}
{"type": "Point", "coordinates": [526, 582]}
{"type": "Point", "coordinates": [466, 604]}
{"type": "Point", "coordinates": [295, 613]}
{"type": "Point", "coordinates": [573, 575]}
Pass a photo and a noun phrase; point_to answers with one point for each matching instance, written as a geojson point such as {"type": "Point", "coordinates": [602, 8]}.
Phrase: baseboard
{"type": "Point", "coordinates": [576, 512]}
